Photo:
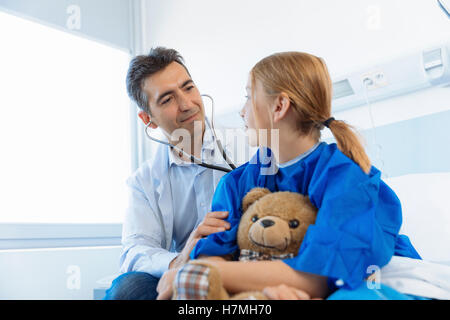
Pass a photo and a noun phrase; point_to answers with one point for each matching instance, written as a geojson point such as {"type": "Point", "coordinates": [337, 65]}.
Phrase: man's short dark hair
{"type": "Point", "coordinates": [144, 66]}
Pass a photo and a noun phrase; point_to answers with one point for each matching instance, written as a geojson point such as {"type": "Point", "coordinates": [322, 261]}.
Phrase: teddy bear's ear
{"type": "Point", "coordinates": [252, 196]}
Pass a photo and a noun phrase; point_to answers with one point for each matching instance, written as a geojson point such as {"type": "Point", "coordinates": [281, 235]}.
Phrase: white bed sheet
{"type": "Point", "coordinates": [417, 277]}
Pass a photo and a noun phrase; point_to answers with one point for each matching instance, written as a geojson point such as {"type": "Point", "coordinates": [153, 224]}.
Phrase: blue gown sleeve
{"type": "Point", "coordinates": [357, 223]}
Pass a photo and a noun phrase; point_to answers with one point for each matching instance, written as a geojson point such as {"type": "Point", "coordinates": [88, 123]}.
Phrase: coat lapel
{"type": "Point", "coordinates": [164, 194]}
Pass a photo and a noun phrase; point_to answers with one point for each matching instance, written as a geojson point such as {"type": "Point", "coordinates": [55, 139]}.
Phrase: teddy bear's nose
{"type": "Point", "coordinates": [266, 223]}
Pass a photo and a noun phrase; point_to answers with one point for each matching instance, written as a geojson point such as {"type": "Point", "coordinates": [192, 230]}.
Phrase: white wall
{"type": "Point", "coordinates": [222, 40]}
{"type": "Point", "coordinates": [63, 273]}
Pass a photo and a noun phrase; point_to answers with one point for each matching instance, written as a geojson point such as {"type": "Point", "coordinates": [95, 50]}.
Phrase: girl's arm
{"type": "Point", "coordinates": [256, 275]}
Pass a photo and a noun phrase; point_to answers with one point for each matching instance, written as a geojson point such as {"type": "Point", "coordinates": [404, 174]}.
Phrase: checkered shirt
{"type": "Point", "coordinates": [191, 282]}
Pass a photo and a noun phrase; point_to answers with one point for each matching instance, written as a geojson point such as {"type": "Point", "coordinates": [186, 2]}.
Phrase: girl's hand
{"type": "Point", "coordinates": [164, 287]}
{"type": "Point", "coordinates": [284, 292]}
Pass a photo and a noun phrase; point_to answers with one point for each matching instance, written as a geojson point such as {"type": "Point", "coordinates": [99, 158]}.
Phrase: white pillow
{"type": "Point", "coordinates": [426, 212]}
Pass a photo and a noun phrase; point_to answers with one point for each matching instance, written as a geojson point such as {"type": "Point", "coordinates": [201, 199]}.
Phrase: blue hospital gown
{"type": "Point", "coordinates": [357, 223]}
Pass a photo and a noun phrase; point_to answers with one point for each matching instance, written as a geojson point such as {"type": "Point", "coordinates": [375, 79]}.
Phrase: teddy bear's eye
{"type": "Point", "coordinates": [294, 224]}
{"type": "Point", "coordinates": [254, 218]}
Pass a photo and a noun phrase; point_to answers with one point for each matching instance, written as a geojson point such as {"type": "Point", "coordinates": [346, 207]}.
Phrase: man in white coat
{"type": "Point", "coordinates": [170, 196]}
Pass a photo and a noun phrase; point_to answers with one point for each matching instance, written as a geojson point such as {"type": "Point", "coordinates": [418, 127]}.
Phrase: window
{"type": "Point", "coordinates": [64, 127]}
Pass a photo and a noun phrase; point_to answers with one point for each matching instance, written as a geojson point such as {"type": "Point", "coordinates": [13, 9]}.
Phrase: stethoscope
{"type": "Point", "coordinates": [194, 159]}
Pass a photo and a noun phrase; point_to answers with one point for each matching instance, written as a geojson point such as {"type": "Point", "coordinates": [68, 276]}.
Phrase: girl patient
{"type": "Point", "coordinates": [358, 217]}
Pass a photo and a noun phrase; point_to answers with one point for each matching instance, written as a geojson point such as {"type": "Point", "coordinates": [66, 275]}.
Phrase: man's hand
{"type": "Point", "coordinates": [212, 223]}
{"type": "Point", "coordinates": [164, 287]}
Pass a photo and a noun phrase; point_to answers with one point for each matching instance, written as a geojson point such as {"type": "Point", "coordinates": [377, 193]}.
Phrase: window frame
{"type": "Point", "coordinates": [66, 235]}
{"type": "Point", "coordinates": [57, 235]}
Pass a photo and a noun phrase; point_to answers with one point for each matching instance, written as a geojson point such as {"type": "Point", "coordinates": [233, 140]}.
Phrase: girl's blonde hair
{"type": "Point", "coordinates": [307, 83]}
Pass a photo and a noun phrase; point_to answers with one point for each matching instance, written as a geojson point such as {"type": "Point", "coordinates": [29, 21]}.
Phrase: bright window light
{"type": "Point", "coordinates": [64, 126]}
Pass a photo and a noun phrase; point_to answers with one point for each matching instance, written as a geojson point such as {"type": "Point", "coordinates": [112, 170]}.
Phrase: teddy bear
{"type": "Point", "coordinates": [272, 227]}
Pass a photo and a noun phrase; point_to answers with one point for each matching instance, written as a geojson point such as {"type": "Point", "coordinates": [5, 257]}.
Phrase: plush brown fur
{"type": "Point", "coordinates": [276, 209]}
{"type": "Point", "coordinates": [272, 224]}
